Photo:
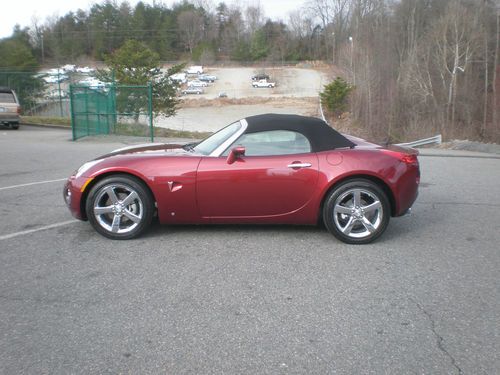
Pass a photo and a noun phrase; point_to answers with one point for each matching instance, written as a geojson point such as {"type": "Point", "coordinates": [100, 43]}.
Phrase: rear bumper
{"type": "Point", "coordinates": [407, 191]}
{"type": "Point", "coordinates": [9, 117]}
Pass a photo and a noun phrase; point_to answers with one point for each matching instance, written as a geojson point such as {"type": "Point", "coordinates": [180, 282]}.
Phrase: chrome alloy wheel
{"type": "Point", "coordinates": [358, 213]}
{"type": "Point", "coordinates": [118, 208]}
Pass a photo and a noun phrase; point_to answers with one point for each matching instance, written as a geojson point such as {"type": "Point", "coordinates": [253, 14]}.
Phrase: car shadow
{"type": "Point", "coordinates": [159, 230]}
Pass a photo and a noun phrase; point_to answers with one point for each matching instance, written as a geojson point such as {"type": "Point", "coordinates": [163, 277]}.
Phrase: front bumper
{"type": "Point", "coordinates": [73, 194]}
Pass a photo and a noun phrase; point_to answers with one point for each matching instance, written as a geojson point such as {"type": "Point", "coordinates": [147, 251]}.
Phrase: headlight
{"type": "Point", "coordinates": [67, 195]}
{"type": "Point", "coordinates": [85, 167]}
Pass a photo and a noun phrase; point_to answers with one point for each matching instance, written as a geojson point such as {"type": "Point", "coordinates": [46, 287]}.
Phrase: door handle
{"type": "Point", "coordinates": [299, 165]}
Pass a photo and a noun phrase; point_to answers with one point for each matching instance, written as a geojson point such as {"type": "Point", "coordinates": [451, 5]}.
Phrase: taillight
{"type": "Point", "coordinates": [407, 158]}
{"type": "Point", "coordinates": [18, 109]}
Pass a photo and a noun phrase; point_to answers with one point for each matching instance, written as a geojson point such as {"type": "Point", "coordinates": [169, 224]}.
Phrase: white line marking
{"type": "Point", "coordinates": [29, 231]}
{"type": "Point", "coordinates": [32, 183]}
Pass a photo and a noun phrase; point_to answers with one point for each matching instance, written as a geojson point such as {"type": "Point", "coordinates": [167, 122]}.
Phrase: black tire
{"type": "Point", "coordinates": [357, 218]}
{"type": "Point", "coordinates": [14, 125]}
{"type": "Point", "coordinates": [118, 218]}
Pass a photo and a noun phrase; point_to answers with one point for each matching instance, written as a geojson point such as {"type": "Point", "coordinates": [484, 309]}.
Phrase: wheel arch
{"type": "Point", "coordinates": [376, 180]}
{"type": "Point", "coordinates": [100, 177]}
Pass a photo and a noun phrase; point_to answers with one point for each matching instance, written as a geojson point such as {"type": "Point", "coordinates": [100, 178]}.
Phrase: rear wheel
{"type": "Point", "coordinates": [120, 207]}
{"type": "Point", "coordinates": [357, 211]}
{"type": "Point", "coordinates": [14, 125]}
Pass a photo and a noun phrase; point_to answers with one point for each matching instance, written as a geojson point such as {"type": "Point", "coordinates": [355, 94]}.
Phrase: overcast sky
{"type": "Point", "coordinates": [22, 11]}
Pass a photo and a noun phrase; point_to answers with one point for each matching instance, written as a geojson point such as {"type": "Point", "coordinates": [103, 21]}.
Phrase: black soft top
{"type": "Point", "coordinates": [321, 136]}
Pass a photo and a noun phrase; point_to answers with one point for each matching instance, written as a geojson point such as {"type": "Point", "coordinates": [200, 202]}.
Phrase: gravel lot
{"type": "Point", "coordinates": [246, 299]}
{"type": "Point", "coordinates": [296, 92]}
{"type": "Point", "coordinates": [290, 82]}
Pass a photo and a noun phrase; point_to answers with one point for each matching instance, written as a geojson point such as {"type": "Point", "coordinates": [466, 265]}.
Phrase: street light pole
{"type": "Point", "coordinates": [333, 52]}
{"type": "Point", "coordinates": [352, 67]}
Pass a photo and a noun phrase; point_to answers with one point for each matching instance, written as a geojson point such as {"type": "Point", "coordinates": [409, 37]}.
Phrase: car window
{"type": "Point", "coordinates": [273, 142]}
{"type": "Point", "coordinates": [7, 97]}
{"type": "Point", "coordinates": [207, 146]}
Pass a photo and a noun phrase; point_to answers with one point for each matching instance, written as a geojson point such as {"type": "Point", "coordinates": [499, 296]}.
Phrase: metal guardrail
{"type": "Point", "coordinates": [321, 111]}
{"type": "Point", "coordinates": [426, 141]}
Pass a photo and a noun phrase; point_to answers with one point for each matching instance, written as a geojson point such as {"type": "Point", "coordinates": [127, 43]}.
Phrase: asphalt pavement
{"type": "Point", "coordinates": [423, 299]}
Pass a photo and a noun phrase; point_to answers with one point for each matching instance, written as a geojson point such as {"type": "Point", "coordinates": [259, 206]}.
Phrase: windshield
{"type": "Point", "coordinates": [7, 97]}
{"type": "Point", "coordinates": [207, 146]}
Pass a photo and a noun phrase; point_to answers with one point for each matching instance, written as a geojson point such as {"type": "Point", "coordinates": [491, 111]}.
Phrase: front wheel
{"type": "Point", "coordinates": [14, 125]}
{"type": "Point", "coordinates": [120, 207]}
{"type": "Point", "coordinates": [357, 212]}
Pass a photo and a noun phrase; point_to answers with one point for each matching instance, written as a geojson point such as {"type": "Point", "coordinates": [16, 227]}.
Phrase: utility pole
{"type": "Point", "coordinates": [43, 50]}
{"type": "Point", "coordinates": [352, 66]}
{"type": "Point", "coordinates": [333, 52]}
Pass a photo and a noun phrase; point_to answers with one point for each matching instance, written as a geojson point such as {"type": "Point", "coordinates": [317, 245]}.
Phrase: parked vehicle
{"type": "Point", "coordinates": [55, 94]}
{"type": "Point", "coordinates": [207, 78]}
{"type": "Point", "coordinates": [179, 77]}
{"type": "Point", "coordinates": [55, 78]}
{"type": "Point", "coordinates": [260, 76]}
{"type": "Point", "coordinates": [197, 83]}
{"type": "Point", "coordinates": [195, 69]}
{"type": "Point", "coordinates": [265, 169]}
{"type": "Point", "coordinates": [10, 109]}
{"type": "Point", "coordinates": [69, 68]}
{"type": "Point", "coordinates": [92, 82]}
{"type": "Point", "coordinates": [192, 90]}
{"type": "Point", "coordinates": [263, 83]}
{"type": "Point", "coordinates": [85, 70]}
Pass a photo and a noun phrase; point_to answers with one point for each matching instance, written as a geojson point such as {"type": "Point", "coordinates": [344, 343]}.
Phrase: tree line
{"type": "Point", "coordinates": [415, 66]}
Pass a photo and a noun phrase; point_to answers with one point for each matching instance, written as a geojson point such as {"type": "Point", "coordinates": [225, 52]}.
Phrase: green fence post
{"type": "Point", "coordinates": [59, 89]}
{"type": "Point", "coordinates": [150, 108]}
{"type": "Point", "coordinates": [114, 117]}
{"type": "Point", "coordinates": [97, 95]}
{"type": "Point", "coordinates": [72, 111]}
{"type": "Point", "coordinates": [87, 109]}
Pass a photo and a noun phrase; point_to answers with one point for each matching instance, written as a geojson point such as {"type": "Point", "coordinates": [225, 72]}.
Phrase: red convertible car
{"type": "Point", "coordinates": [265, 169]}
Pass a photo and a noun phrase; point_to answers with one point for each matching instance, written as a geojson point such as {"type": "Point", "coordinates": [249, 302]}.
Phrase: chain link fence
{"type": "Point", "coordinates": [42, 94]}
{"type": "Point", "coordinates": [111, 109]}
{"type": "Point", "coordinates": [64, 96]}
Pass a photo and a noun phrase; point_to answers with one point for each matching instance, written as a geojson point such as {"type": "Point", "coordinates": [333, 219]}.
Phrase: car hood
{"type": "Point", "coordinates": [171, 149]}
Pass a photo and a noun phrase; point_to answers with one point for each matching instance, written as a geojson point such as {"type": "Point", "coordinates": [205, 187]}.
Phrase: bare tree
{"type": "Point", "coordinates": [191, 26]}
{"type": "Point", "coordinates": [254, 17]}
{"type": "Point", "coordinates": [455, 42]}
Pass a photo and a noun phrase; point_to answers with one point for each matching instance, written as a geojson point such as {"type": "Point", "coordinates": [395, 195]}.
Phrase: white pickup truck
{"type": "Point", "coordinates": [195, 69]}
{"type": "Point", "coordinates": [263, 83]}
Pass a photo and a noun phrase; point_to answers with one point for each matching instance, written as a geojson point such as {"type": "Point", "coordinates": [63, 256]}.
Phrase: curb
{"type": "Point", "coordinates": [459, 154]}
{"type": "Point", "coordinates": [50, 126]}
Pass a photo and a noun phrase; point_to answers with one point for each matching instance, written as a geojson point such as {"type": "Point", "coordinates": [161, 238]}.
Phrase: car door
{"type": "Point", "coordinates": [276, 177]}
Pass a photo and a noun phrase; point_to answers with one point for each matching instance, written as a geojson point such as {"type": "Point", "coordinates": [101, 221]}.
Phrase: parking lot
{"type": "Point", "coordinates": [246, 299]}
{"type": "Point", "coordinates": [290, 82]}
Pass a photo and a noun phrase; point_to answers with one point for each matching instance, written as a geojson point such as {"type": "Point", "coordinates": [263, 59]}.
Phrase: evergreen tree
{"type": "Point", "coordinates": [335, 95]}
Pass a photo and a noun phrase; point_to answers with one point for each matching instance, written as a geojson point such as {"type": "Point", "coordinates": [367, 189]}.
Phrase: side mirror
{"type": "Point", "coordinates": [235, 153]}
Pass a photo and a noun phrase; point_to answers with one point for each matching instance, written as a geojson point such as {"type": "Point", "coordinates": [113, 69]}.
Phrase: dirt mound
{"type": "Point", "coordinates": [255, 100]}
